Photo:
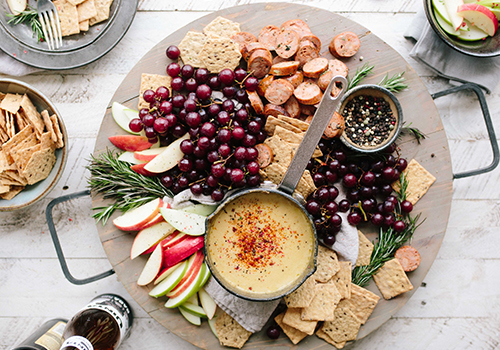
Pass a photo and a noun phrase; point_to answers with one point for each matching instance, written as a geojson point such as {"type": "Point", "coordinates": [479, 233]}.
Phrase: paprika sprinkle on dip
{"type": "Point", "coordinates": [260, 242]}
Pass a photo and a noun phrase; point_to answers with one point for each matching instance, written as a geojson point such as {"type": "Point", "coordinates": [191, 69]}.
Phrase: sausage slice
{"type": "Point", "coordinates": [279, 91]}
{"type": "Point", "coordinates": [308, 93]}
{"type": "Point", "coordinates": [408, 257]}
{"type": "Point", "coordinates": [315, 67]}
{"type": "Point", "coordinates": [243, 38]}
{"type": "Point", "coordinates": [314, 39]}
{"type": "Point", "coordinates": [265, 156]}
{"type": "Point", "coordinates": [306, 52]}
{"type": "Point", "coordinates": [268, 35]}
{"type": "Point", "coordinates": [287, 43]}
{"type": "Point", "coordinates": [284, 68]}
{"type": "Point", "coordinates": [296, 79]}
{"type": "Point", "coordinates": [248, 48]}
{"type": "Point", "coordinates": [338, 67]}
{"type": "Point", "coordinates": [264, 84]}
{"type": "Point", "coordinates": [274, 110]}
{"type": "Point", "coordinates": [260, 63]}
{"type": "Point", "coordinates": [345, 45]}
{"type": "Point", "coordinates": [297, 25]}
{"type": "Point", "coordinates": [335, 127]}
{"type": "Point", "coordinates": [256, 102]}
{"type": "Point", "coordinates": [292, 107]}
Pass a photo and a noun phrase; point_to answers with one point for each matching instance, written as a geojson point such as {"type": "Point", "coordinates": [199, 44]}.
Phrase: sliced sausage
{"type": "Point", "coordinates": [256, 102]}
{"type": "Point", "coordinates": [247, 49]}
{"type": "Point", "coordinates": [296, 79]}
{"type": "Point", "coordinates": [338, 67]}
{"type": "Point", "coordinates": [315, 67]}
{"type": "Point", "coordinates": [324, 79]}
{"type": "Point", "coordinates": [265, 156]}
{"type": "Point", "coordinates": [335, 127]}
{"type": "Point", "coordinates": [336, 90]}
{"type": "Point", "coordinates": [279, 59]}
{"type": "Point", "coordinates": [345, 45]}
{"type": "Point", "coordinates": [260, 63]}
{"type": "Point", "coordinates": [274, 110]}
{"type": "Point", "coordinates": [292, 107]}
{"type": "Point", "coordinates": [285, 68]}
{"type": "Point", "coordinates": [279, 91]}
{"type": "Point", "coordinates": [308, 93]}
{"type": "Point", "coordinates": [243, 38]}
{"type": "Point", "coordinates": [268, 35]}
{"type": "Point", "coordinates": [408, 257]}
{"type": "Point", "coordinates": [264, 84]}
{"type": "Point", "coordinates": [307, 110]}
{"type": "Point", "coordinates": [314, 39]}
{"type": "Point", "coordinates": [287, 43]}
{"type": "Point", "coordinates": [297, 25]}
{"type": "Point", "coordinates": [306, 52]}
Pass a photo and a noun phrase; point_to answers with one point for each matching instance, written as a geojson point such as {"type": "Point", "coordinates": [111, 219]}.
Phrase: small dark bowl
{"type": "Point", "coordinates": [379, 92]}
{"type": "Point", "coordinates": [488, 47]}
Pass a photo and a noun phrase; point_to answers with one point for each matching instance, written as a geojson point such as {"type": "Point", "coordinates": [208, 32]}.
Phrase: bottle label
{"type": "Point", "coordinates": [52, 339]}
{"type": "Point", "coordinates": [78, 342]}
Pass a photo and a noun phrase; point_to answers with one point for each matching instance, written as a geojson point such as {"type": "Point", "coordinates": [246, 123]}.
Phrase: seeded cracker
{"type": "Point", "coordinates": [345, 327]}
{"type": "Point", "coordinates": [230, 332]}
{"type": "Point", "coordinates": [11, 103]}
{"type": "Point", "coordinates": [272, 122]}
{"type": "Point", "coordinates": [57, 130]}
{"type": "Point", "coordinates": [152, 82]}
{"type": "Point", "coordinates": [86, 10]}
{"type": "Point", "coordinates": [190, 48]}
{"type": "Point", "coordinates": [342, 279]}
{"type": "Point", "coordinates": [419, 181]}
{"type": "Point", "coordinates": [102, 8]}
{"type": "Point", "coordinates": [321, 334]}
{"type": "Point", "coordinates": [323, 304]}
{"type": "Point", "coordinates": [39, 166]}
{"type": "Point", "coordinates": [84, 25]}
{"type": "Point", "coordinates": [222, 27]}
{"type": "Point", "coordinates": [391, 279]}
{"type": "Point", "coordinates": [295, 122]}
{"type": "Point", "coordinates": [303, 295]}
{"type": "Point", "coordinates": [14, 191]}
{"type": "Point", "coordinates": [327, 264]}
{"type": "Point", "coordinates": [48, 125]}
{"type": "Point", "coordinates": [365, 250]}
{"type": "Point", "coordinates": [294, 334]}
{"type": "Point", "coordinates": [361, 303]}
{"type": "Point", "coordinates": [292, 318]}
{"type": "Point", "coordinates": [220, 53]}
{"type": "Point", "coordinates": [68, 16]}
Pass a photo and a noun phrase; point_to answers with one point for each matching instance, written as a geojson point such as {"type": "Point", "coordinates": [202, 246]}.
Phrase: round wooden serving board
{"type": "Point", "coordinates": [418, 108]}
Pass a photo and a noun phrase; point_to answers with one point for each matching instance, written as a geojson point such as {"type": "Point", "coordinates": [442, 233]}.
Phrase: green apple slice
{"type": "Point", "coordinates": [211, 324]}
{"type": "Point", "coordinates": [190, 317]}
{"type": "Point", "coordinates": [473, 34]}
{"type": "Point", "coordinates": [207, 275]}
{"type": "Point", "coordinates": [207, 303]}
{"type": "Point", "coordinates": [445, 25]}
{"type": "Point", "coordinates": [200, 209]}
{"type": "Point", "coordinates": [193, 309]}
{"type": "Point", "coordinates": [170, 282]}
{"type": "Point", "coordinates": [192, 289]}
{"type": "Point", "coordinates": [190, 223]}
{"type": "Point", "coordinates": [496, 12]}
{"type": "Point", "coordinates": [169, 158]}
{"type": "Point", "coordinates": [130, 158]}
{"type": "Point", "coordinates": [193, 300]}
{"type": "Point", "coordinates": [123, 118]}
{"type": "Point", "coordinates": [440, 8]}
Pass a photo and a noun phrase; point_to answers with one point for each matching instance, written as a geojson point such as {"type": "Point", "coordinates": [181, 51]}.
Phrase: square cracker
{"type": "Point", "coordinates": [32, 115]}
{"type": "Point", "coordinates": [39, 165]}
{"type": "Point", "coordinates": [342, 279]}
{"type": "Point", "coordinates": [14, 191]}
{"type": "Point", "coordinates": [11, 103]}
{"type": "Point", "coordinates": [323, 304]}
{"type": "Point", "coordinates": [274, 172]}
{"type": "Point", "coordinates": [230, 332]}
{"type": "Point", "coordinates": [222, 27]}
{"type": "Point", "coordinates": [302, 125]}
{"type": "Point", "coordinates": [18, 139]}
{"type": "Point", "coordinates": [84, 25]}
{"type": "Point", "coordinates": [365, 250]}
{"type": "Point", "coordinates": [55, 126]}
{"type": "Point", "coordinates": [345, 327]}
{"type": "Point", "coordinates": [391, 279]}
{"type": "Point", "coordinates": [282, 151]}
{"type": "Point", "coordinates": [219, 53]}
{"type": "Point", "coordinates": [288, 136]}
{"type": "Point", "coordinates": [419, 181]}
{"type": "Point", "coordinates": [327, 264]}
{"type": "Point", "coordinates": [48, 125]}
{"type": "Point", "coordinates": [293, 319]}
{"type": "Point", "coordinates": [294, 334]}
{"type": "Point", "coordinates": [303, 295]}
{"type": "Point", "coordinates": [4, 188]}
{"type": "Point", "coordinates": [321, 334]}
{"type": "Point", "coordinates": [102, 8]}
{"type": "Point", "coordinates": [362, 302]}
{"type": "Point", "coordinates": [68, 16]}
{"type": "Point", "coordinates": [190, 48]}
{"type": "Point", "coordinates": [152, 82]}
{"type": "Point", "coordinates": [272, 122]}
{"type": "Point", "coordinates": [86, 10]}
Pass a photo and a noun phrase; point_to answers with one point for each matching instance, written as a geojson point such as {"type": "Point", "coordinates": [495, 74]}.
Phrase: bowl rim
{"type": "Point", "coordinates": [64, 153]}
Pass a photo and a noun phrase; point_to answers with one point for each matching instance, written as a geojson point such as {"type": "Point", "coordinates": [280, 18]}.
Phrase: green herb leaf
{"type": "Point", "coordinates": [28, 16]}
{"type": "Point", "coordinates": [394, 84]}
{"type": "Point", "coordinates": [360, 74]}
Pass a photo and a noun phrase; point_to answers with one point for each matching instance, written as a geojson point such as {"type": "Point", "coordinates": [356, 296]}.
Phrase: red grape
{"type": "Point", "coordinates": [191, 85]}
{"type": "Point", "coordinates": [187, 147]}
{"type": "Point", "coordinates": [238, 133]}
{"type": "Point", "coordinates": [203, 92]}
{"type": "Point", "coordinates": [135, 125]}
{"type": "Point", "coordinates": [336, 220]}
{"type": "Point", "coordinates": [354, 218]}
{"type": "Point", "coordinates": [177, 84]}
{"type": "Point", "coordinates": [149, 96]}
{"type": "Point", "coordinates": [173, 52]}
{"type": "Point", "coordinates": [173, 69]}
{"type": "Point", "coordinates": [187, 71]}
{"type": "Point", "coordinates": [251, 83]}
{"type": "Point", "coordinates": [237, 175]}
{"type": "Point", "coordinates": [193, 119]}
{"type": "Point", "coordinates": [202, 75]}
{"type": "Point", "coordinates": [406, 206]}
{"type": "Point", "coordinates": [226, 76]}
{"type": "Point", "coordinates": [350, 180]}
{"type": "Point", "coordinates": [399, 226]}
{"type": "Point", "coordinates": [240, 74]}
{"type": "Point", "coordinates": [160, 125]}
{"type": "Point", "coordinates": [253, 168]}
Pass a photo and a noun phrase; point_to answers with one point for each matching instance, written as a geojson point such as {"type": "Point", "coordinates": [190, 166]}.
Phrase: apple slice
{"type": "Point", "coordinates": [140, 169]}
{"type": "Point", "coordinates": [165, 273]}
{"type": "Point", "coordinates": [136, 218]}
{"type": "Point", "coordinates": [200, 209]}
{"type": "Point", "coordinates": [180, 251]}
{"type": "Point", "coordinates": [169, 158]}
{"type": "Point", "coordinates": [445, 25]}
{"type": "Point", "coordinates": [156, 220]}
{"type": "Point", "coordinates": [170, 282]}
{"type": "Point", "coordinates": [130, 143]}
{"type": "Point", "coordinates": [148, 237]}
{"type": "Point", "coordinates": [152, 267]}
{"type": "Point", "coordinates": [452, 8]}
{"type": "Point", "coordinates": [194, 287]}
{"type": "Point", "coordinates": [190, 223]}
{"type": "Point", "coordinates": [193, 309]}
{"type": "Point", "coordinates": [193, 300]}
{"type": "Point", "coordinates": [479, 16]}
{"type": "Point", "coordinates": [129, 158]}
{"type": "Point", "coordinates": [206, 276]}
{"type": "Point", "coordinates": [190, 317]}
{"type": "Point", "coordinates": [207, 303]}
{"type": "Point", "coordinates": [211, 324]}
{"type": "Point", "coordinates": [195, 262]}
{"type": "Point", "coordinates": [173, 240]}
{"type": "Point", "coordinates": [123, 115]}
{"type": "Point", "coordinates": [440, 8]}
{"type": "Point", "coordinates": [148, 154]}
{"type": "Point", "coordinates": [473, 34]}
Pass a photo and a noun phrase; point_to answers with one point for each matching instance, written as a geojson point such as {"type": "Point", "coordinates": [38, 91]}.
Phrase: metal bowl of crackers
{"type": "Point", "coordinates": [33, 138]}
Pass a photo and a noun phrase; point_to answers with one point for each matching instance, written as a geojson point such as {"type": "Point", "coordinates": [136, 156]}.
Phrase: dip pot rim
{"type": "Point", "coordinates": [377, 91]}
{"type": "Point", "coordinates": [261, 297]}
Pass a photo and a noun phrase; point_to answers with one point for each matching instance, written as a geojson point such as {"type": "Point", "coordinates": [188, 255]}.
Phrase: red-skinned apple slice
{"type": "Point", "coordinates": [156, 220]}
{"type": "Point", "coordinates": [130, 143]}
{"type": "Point", "coordinates": [180, 251]}
{"type": "Point", "coordinates": [136, 218]}
{"type": "Point", "coordinates": [148, 154]}
{"type": "Point", "coordinates": [479, 16]}
{"type": "Point", "coordinates": [152, 267]}
{"type": "Point", "coordinates": [189, 291]}
{"type": "Point", "coordinates": [166, 272]}
{"type": "Point", "coordinates": [140, 169]}
{"type": "Point", "coordinates": [149, 237]}
{"type": "Point", "coordinates": [173, 240]}
{"type": "Point", "coordinates": [169, 158]}
{"type": "Point", "coordinates": [129, 158]}
{"type": "Point", "coordinates": [190, 275]}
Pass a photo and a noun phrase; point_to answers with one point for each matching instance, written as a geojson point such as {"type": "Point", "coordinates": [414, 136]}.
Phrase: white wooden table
{"type": "Point", "coordinates": [457, 307]}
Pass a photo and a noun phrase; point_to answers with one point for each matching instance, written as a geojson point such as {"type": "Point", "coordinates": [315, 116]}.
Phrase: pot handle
{"type": "Point", "coordinates": [487, 121]}
{"type": "Point", "coordinates": [57, 244]}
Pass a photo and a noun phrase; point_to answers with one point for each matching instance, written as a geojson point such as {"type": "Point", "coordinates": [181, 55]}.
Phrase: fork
{"type": "Point", "coordinates": [51, 27]}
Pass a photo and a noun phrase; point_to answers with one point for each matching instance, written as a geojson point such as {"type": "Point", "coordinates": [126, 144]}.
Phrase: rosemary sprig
{"type": "Point", "coordinates": [360, 74]}
{"type": "Point", "coordinates": [29, 16]}
{"type": "Point", "coordinates": [395, 84]}
{"type": "Point", "coordinates": [407, 129]}
{"type": "Point", "coordinates": [403, 188]}
{"type": "Point", "coordinates": [113, 179]}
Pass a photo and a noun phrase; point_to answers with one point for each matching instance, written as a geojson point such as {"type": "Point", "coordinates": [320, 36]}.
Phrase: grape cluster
{"type": "Point", "coordinates": [215, 111]}
{"type": "Point", "coordinates": [324, 209]}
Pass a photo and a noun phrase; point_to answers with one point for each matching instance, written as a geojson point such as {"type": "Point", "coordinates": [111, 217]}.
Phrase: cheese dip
{"type": "Point", "coordinates": [260, 243]}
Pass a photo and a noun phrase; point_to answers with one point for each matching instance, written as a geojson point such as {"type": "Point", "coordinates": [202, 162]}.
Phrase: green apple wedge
{"type": "Point", "coordinates": [123, 115]}
{"type": "Point", "coordinates": [193, 300]}
{"type": "Point", "coordinates": [193, 309]}
{"type": "Point", "coordinates": [445, 25]}
{"type": "Point", "coordinates": [190, 317]}
{"type": "Point", "coordinates": [170, 282]}
{"type": "Point", "coordinates": [200, 209]}
{"type": "Point", "coordinates": [193, 288]}
{"type": "Point", "coordinates": [211, 324]}
{"type": "Point", "coordinates": [207, 303]}
{"type": "Point", "coordinates": [130, 158]}
{"type": "Point", "coordinates": [440, 8]}
{"type": "Point", "coordinates": [169, 158]}
{"type": "Point", "coordinates": [190, 223]}
{"type": "Point", "coordinates": [473, 34]}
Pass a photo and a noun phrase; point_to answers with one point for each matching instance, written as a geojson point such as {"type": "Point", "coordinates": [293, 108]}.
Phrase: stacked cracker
{"type": "Point", "coordinates": [77, 16]}
{"type": "Point", "coordinates": [286, 134]}
{"type": "Point", "coordinates": [213, 49]}
{"type": "Point", "coordinates": [28, 144]}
